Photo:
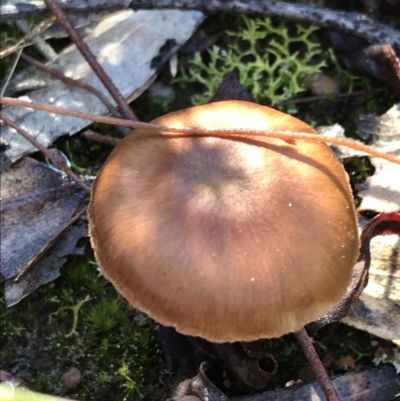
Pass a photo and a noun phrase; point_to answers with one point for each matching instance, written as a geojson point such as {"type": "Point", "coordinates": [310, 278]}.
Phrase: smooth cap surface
{"type": "Point", "coordinates": [226, 239]}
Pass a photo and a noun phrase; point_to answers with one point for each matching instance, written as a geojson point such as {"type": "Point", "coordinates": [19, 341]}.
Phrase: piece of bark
{"type": "Point", "coordinates": [377, 383]}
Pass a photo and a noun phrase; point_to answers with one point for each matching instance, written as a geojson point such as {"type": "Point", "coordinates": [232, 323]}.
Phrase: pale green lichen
{"type": "Point", "coordinates": [272, 60]}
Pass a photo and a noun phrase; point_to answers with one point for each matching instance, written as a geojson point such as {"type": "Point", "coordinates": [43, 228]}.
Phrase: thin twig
{"type": "Point", "coordinates": [310, 99]}
{"type": "Point", "coordinates": [316, 364]}
{"type": "Point", "coordinates": [75, 82]}
{"type": "Point", "coordinates": [154, 129]}
{"type": "Point", "coordinates": [94, 136]}
{"type": "Point", "coordinates": [42, 46]}
{"type": "Point", "coordinates": [123, 106]}
{"type": "Point", "coordinates": [14, 66]}
{"type": "Point", "coordinates": [58, 161]}
{"type": "Point", "coordinates": [70, 81]}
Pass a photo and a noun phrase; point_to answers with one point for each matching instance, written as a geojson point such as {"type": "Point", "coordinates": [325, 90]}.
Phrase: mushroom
{"type": "Point", "coordinates": [231, 238]}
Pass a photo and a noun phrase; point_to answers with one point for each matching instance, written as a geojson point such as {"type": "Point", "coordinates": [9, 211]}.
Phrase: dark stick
{"type": "Point", "coordinates": [316, 364]}
{"type": "Point", "coordinates": [351, 22]}
{"type": "Point", "coordinates": [53, 156]}
{"type": "Point", "coordinates": [91, 59]}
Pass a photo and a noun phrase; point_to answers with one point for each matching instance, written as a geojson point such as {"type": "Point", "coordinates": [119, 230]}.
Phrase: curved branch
{"type": "Point", "coordinates": [352, 22]}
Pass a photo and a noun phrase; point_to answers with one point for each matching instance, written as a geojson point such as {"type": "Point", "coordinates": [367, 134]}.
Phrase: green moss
{"type": "Point", "coordinates": [9, 35]}
{"type": "Point", "coordinates": [105, 315]}
{"type": "Point", "coordinates": [359, 169]}
{"type": "Point", "coordinates": [7, 326]}
{"type": "Point", "coordinates": [272, 59]}
{"type": "Point", "coordinates": [80, 321]}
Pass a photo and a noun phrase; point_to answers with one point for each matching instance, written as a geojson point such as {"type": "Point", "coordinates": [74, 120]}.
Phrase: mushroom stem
{"type": "Point", "coordinates": [319, 369]}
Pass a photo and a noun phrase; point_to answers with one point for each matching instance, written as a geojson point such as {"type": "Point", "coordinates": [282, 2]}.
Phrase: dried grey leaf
{"type": "Point", "coordinates": [47, 268]}
{"type": "Point", "coordinates": [126, 44]}
{"type": "Point", "coordinates": [37, 204]}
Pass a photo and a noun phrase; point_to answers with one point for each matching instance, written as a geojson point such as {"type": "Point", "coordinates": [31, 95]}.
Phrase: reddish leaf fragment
{"type": "Point", "coordinates": [384, 223]}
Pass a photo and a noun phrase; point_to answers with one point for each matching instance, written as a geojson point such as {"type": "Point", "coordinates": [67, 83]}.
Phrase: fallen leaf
{"type": "Point", "coordinates": [47, 268]}
{"type": "Point", "coordinates": [381, 192]}
{"type": "Point", "coordinates": [130, 45]}
{"type": "Point", "coordinates": [378, 309]}
{"type": "Point", "coordinates": [37, 204]}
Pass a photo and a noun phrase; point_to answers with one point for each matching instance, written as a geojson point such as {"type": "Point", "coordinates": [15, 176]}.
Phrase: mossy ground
{"type": "Point", "coordinates": [112, 345]}
{"type": "Point", "coordinates": [79, 321]}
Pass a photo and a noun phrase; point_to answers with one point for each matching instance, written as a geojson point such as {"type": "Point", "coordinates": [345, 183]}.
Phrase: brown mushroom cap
{"type": "Point", "coordinates": [227, 239]}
